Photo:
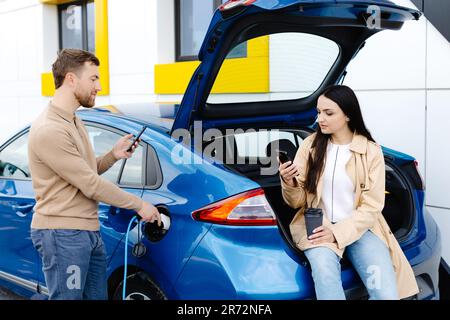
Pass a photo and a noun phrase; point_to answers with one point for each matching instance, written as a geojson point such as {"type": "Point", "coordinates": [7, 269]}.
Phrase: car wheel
{"type": "Point", "coordinates": [444, 281]}
{"type": "Point", "coordinates": [139, 287]}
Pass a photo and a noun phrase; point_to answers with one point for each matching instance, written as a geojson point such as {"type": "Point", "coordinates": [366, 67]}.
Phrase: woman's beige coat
{"type": "Point", "coordinates": [366, 170]}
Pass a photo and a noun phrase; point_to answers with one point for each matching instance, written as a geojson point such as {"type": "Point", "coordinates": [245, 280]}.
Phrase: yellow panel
{"type": "Point", "coordinates": [258, 47]}
{"type": "Point", "coordinates": [56, 1]}
{"type": "Point", "coordinates": [101, 48]}
{"type": "Point", "coordinates": [48, 84]}
{"type": "Point", "coordinates": [241, 75]}
{"type": "Point", "coordinates": [101, 43]}
{"type": "Point", "coordinates": [246, 75]}
{"type": "Point", "coordinates": [174, 77]}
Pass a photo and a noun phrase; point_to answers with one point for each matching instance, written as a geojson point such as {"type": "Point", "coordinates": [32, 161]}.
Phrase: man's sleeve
{"type": "Point", "coordinates": [105, 162]}
{"type": "Point", "coordinates": [62, 156]}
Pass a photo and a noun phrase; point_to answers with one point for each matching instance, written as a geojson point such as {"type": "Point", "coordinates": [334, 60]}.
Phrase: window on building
{"type": "Point", "coordinates": [77, 25]}
{"type": "Point", "coordinates": [192, 21]}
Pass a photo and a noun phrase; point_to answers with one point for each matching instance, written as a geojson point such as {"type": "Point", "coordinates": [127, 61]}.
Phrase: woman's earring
{"type": "Point", "coordinates": [348, 119]}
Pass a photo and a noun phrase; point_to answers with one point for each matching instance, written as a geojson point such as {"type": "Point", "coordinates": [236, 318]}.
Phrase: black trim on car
{"type": "Point", "coordinates": [155, 175]}
{"type": "Point", "coordinates": [411, 172]}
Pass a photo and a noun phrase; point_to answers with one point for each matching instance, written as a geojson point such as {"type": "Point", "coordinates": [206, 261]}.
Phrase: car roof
{"type": "Point", "coordinates": [160, 116]}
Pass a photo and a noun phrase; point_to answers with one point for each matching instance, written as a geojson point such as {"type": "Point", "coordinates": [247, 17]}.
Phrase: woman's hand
{"type": "Point", "coordinates": [320, 235]}
{"type": "Point", "coordinates": [288, 171]}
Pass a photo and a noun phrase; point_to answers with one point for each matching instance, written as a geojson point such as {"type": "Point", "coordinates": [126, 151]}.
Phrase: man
{"type": "Point", "coordinates": [66, 181]}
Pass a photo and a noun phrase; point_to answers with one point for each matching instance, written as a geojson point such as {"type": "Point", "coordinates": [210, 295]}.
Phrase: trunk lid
{"type": "Point", "coordinates": [346, 23]}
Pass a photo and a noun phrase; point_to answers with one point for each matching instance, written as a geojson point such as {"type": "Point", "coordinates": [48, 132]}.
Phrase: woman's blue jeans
{"type": "Point", "coordinates": [371, 259]}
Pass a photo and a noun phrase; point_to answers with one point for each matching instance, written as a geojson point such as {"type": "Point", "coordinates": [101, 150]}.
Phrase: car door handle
{"type": "Point", "coordinates": [103, 212]}
{"type": "Point", "coordinates": [22, 210]}
{"type": "Point", "coordinates": [103, 216]}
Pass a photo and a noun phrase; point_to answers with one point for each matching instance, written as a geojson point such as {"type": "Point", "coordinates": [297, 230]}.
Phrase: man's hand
{"type": "Point", "coordinates": [149, 213]}
{"type": "Point", "coordinates": [120, 148]}
{"type": "Point", "coordinates": [322, 234]}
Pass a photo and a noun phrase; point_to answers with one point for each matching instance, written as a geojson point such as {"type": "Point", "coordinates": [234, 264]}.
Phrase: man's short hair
{"type": "Point", "coordinates": [71, 60]}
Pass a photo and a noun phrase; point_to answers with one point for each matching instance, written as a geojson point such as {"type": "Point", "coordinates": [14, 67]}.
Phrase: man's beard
{"type": "Point", "coordinates": [85, 100]}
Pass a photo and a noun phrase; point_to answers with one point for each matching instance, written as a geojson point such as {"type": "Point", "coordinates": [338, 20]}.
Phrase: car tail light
{"type": "Point", "coordinates": [246, 209]}
{"type": "Point", "coordinates": [232, 4]}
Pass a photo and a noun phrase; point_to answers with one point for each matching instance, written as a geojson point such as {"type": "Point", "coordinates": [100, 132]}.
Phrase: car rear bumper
{"type": "Point", "coordinates": [426, 268]}
{"type": "Point", "coordinates": [253, 263]}
{"type": "Point", "coordinates": [247, 264]}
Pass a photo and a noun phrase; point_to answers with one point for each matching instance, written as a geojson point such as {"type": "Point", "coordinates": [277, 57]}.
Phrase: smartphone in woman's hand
{"type": "Point", "coordinates": [283, 156]}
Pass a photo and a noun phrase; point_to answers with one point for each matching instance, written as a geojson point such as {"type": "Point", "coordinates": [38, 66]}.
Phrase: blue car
{"type": "Point", "coordinates": [208, 163]}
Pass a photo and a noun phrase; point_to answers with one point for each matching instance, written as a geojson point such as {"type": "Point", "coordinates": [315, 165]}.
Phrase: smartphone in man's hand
{"type": "Point", "coordinates": [136, 139]}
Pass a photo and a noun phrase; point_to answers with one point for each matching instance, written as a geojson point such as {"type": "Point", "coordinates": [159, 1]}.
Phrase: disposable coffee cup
{"type": "Point", "coordinates": [313, 219]}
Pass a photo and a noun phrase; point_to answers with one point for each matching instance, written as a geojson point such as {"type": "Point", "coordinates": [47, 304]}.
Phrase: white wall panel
{"type": "Point", "coordinates": [27, 43]}
{"type": "Point", "coordinates": [131, 83]}
{"type": "Point", "coordinates": [132, 36]}
{"type": "Point", "coordinates": [166, 31]}
{"type": "Point", "coordinates": [48, 44]}
{"type": "Point", "coordinates": [438, 149]}
{"type": "Point", "coordinates": [391, 59]}
{"type": "Point", "coordinates": [29, 108]}
{"type": "Point", "coordinates": [438, 59]}
{"type": "Point", "coordinates": [9, 118]}
{"type": "Point", "coordinates": [123, 99]}
{"type": "Point", "coordinates": [396, 120]}
{"type": "Point", "coordinates": [8, 52]}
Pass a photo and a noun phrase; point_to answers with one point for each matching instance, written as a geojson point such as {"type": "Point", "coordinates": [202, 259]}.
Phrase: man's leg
{"type": "Point", "coordinates": [96, 283]}
{"type": "Point", "coordinates": [65, 258]}
{"type": "Point", "coordinates": [372, 260]}
{"type": "Point", "coordinates": [326, 273]}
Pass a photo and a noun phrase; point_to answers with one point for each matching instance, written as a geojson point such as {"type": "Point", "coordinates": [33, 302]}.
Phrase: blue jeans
{"type": "Point", "coordinates": [74, 263]}
{"type": "Point", "coordinates": [371, 259]}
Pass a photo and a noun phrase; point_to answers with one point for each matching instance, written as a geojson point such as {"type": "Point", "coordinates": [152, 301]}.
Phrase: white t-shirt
{"type": "Point", "coordinates": [337, 195]}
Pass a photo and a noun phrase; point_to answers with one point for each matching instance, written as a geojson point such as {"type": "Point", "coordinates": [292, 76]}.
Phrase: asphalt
{"type": "Point", "coordinates": [5, 294]}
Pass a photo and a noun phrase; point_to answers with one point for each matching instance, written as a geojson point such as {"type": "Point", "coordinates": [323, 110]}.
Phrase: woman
{"type": "Point", "coordinates": [340, 169]}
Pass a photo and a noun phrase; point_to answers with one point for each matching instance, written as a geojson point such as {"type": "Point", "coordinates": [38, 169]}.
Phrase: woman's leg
{"type": "Point", "coordinates": [372, 260]}
{"type": "Point", "coordinates": [326, 273]}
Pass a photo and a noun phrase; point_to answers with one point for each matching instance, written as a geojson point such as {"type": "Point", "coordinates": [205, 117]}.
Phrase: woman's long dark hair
{"type": "Point", "coordinates": [347, 101]}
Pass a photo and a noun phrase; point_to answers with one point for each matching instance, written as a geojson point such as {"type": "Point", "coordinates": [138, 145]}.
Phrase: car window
{"type": "Point", "coordinates": [297, 65]}
{"type": "Point", "coordinates": [153, 172]}
{"type": "Point", "coordinates": [102, 141]}
{"type": "Point", "coordinates": [132, 172]}
{"type": "Point", "coordinates": [14, 159]}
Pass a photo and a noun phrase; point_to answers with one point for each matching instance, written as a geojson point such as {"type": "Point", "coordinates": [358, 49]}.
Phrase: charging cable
{"type": "Point", "coordinates": [124, 283]}
{"type": "Point", "coordinates": [139, 248]}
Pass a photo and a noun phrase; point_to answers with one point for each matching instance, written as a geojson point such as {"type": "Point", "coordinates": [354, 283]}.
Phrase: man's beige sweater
{"type": "Point", "coordinates": [65, 174]}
